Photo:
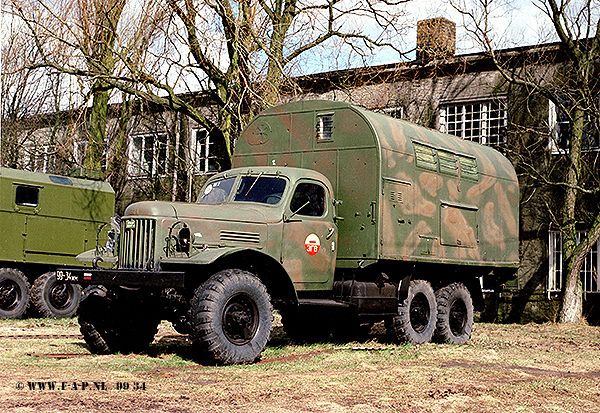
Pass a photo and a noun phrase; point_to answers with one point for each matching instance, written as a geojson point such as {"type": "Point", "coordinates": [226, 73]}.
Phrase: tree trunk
{"type": "Point", "coordinates": [572, 301]}
{"type": "Point", "coordinates": [571, 308]}
{"type": "Point", "coordinates": [281, 26]}
{"type": "Point", "coordinates": [98, 119]}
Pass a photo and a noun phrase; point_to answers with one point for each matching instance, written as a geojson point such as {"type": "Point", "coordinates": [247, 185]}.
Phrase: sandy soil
{"type": "Point", "coordinates": [528, 368]}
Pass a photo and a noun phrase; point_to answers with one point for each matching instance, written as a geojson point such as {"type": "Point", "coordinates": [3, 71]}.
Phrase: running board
{"type": "Point", "coordinates": [321, 302]}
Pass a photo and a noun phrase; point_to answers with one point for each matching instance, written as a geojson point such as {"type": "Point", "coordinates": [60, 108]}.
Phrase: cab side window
{"type": "Point", "coordinates": [309, 200]}
{"type": "Point", "coordinates": [27, 195]}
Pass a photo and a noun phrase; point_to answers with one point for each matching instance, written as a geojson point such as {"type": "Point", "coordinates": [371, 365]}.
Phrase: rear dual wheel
{"type": "Point", "coordinates": [415, 321]}
{"type": "Point", "coordinates": [50, 297]}
{"type": "Point", "coordinates": [454, 314]}
{"type": "Point", "coordinates": [445, 316]}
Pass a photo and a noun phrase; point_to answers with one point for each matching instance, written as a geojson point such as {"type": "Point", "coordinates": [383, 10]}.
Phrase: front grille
{"type": "Point", "coordinates": [239, 236]}
{"type": "Point", "coordinates": [137, 243]}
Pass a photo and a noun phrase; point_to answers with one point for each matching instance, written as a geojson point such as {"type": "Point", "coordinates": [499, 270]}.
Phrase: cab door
{"type": "Point", "coordinates": [310, 236]}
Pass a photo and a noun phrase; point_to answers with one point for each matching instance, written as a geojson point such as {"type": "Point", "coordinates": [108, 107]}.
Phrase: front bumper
{"type": "Point", "coordinates": [123, 278]}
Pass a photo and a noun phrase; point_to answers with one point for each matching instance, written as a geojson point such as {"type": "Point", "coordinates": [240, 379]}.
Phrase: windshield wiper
{"type": "Point", "coordinates": [253, 183]}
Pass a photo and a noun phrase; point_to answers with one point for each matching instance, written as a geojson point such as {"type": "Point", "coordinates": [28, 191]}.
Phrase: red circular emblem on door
{"type": "Point", "coordinates": [312, 243]}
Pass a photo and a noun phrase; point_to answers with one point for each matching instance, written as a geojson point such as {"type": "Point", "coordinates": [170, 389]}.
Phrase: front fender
{"type": "Point", "coordinates": [268, 269]}
{"type": "Point", "coordinates": [208, 256]}
{"type": "Point", "coordinates": [97, 260]}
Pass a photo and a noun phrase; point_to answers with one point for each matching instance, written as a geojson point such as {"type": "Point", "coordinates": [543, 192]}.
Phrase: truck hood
{"type": "Point", "coordinates": [237, 212]}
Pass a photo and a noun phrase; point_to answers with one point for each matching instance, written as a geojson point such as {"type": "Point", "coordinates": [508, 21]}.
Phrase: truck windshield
{"type": "Point", "coordinates": [263, 189]}
{"type": "Point", "coordinates": [217, 192]}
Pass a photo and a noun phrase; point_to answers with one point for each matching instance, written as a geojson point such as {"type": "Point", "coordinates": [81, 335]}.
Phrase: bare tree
{"type": "Point", "coordinates": [229, 57]}
{"type": "Point", "coordinates": [572, 84]}
{"type": "Point", "coordinates": [30, 100]}
{"type": "Point", "coordinates": [84, 39]}
{"type": "Point", "coordinates": [263, 39]}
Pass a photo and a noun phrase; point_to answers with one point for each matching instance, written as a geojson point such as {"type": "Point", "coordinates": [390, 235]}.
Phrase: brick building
{"type": "Point", "coordinates": [168, 156]}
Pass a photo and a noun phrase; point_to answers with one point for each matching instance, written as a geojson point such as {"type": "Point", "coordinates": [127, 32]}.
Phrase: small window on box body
{"type": "Point", "coordinates": [27, 196]}
{"type": "Point", "coordinates": [426, 156]}
{"type": "Point", "coordinates": [325, 127]}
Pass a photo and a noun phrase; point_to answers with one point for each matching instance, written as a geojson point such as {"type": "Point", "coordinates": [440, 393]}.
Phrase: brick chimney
{"type": "Point", "coordinates": [436, 39]}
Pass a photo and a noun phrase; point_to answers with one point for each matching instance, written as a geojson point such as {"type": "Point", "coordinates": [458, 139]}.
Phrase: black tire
{"type": "Point", "coordinates": [230, 318]}
{"type": "Point", "coordinates": [181, 327]}
{"type": "Point", "coordinates": [94, 320]}
{"type": "Point", "coordinates": [14, 293]}
{"type": "Point", "coordinates": [55, 299]}
{"type": "Point", "coordinates": [305, 325]}
{"type": "Point", "coordinates": [415, 322]}
{"type": "Point", "coordinates": [112, 324]}
{"type": "Point", "coordinates": [454, 314]}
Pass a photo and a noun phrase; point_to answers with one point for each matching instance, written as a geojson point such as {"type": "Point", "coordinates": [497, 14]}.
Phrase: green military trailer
{"type": "Point", "coordinates": [335, 216]}
{"type": "Point", "coordinates": [45, 222]}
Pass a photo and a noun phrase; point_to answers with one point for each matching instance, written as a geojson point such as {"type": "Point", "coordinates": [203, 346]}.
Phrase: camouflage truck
{"type": "Point", "coordinates": [335, 216]}
{"type": "Point", "coordinates": [45, 222]}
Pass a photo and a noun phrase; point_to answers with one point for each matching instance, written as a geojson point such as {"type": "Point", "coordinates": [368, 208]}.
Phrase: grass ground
{"type": "Point", "coordinates": [504, 368]}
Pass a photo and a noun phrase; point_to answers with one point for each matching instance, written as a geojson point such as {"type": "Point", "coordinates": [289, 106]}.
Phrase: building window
{"type": "Point", "coordinates": [148, 155]}
{"type": "Point", "coordinates": [560, 131]}
{"type": "Point", "coordinates": [483, 122]}
{"type": "Point", "coordinates": [37, 158]}
{"type": "Point", "coordinates": [325, 127]}
{"type": "Point", "coordinates": [204, 152]}
{"type": "Point", "coordinates": [79, 150]}
{"type": "Point", "coordinates": [589, 269]}
{"type": "Point", "coordinates": [397, 113]}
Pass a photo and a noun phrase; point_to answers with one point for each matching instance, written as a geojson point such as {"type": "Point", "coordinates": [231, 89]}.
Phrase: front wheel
{"type": "Point", "coordinates": [415, 322]}
{"type": "Point", "coordinates": [111, 323]}
{"type": "Point", "coordinates": [454, 314]}
{"type": "Point", "coordinates": [231, 317]}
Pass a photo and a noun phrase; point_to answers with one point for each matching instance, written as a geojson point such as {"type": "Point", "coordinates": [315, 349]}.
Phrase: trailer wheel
{"type": "Point", "coordinates": [111, 325]}
{"type": "Point", "coordinates": [305, 325]}
{"type": "Point", "coordinates": [415, 322]}
{"type": "Point", "coordinates": [454, 314]}
{"type": "Point", "coordinates": [230, 317]}
{"type": "Point", "coordinates": [55, 299]}
{"type": "Point", "coordinates": [14, 293]}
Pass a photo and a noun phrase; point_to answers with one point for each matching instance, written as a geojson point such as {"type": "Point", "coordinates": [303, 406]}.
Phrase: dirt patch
{"type": "Point", "coordinates": [46, 367]}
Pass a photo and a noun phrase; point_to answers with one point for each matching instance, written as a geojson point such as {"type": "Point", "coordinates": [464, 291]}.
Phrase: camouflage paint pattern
{"type": "Point", "coordinates": [57, 226]}
{"type": "Point", "coordinates": [404, 192]}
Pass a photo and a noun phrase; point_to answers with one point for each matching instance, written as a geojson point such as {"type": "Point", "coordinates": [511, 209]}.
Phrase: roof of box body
{"type": "Point", "coordinates": [395, 135]}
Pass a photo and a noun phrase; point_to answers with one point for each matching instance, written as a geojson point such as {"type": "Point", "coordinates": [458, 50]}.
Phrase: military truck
{"type": "Point", "coordinates": [45, 222]}
{"type": "Point", "coordinates": [335, 216]}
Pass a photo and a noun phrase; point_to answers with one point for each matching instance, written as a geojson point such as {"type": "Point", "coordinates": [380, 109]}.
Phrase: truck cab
{"type": "Point", "coordinates": [281, 215]}
{"type": "Point", "coordinates": [293, 220]}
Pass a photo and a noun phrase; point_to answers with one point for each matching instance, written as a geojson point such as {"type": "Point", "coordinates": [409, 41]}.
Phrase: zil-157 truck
{"type": "Point", "coordinates": [335, 216]}
{"type": "Point", "coordinates": [46, 220]}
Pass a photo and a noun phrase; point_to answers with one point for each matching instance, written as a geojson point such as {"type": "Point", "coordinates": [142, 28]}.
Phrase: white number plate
{"type": "Point", "coordinates": [65, 276]}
